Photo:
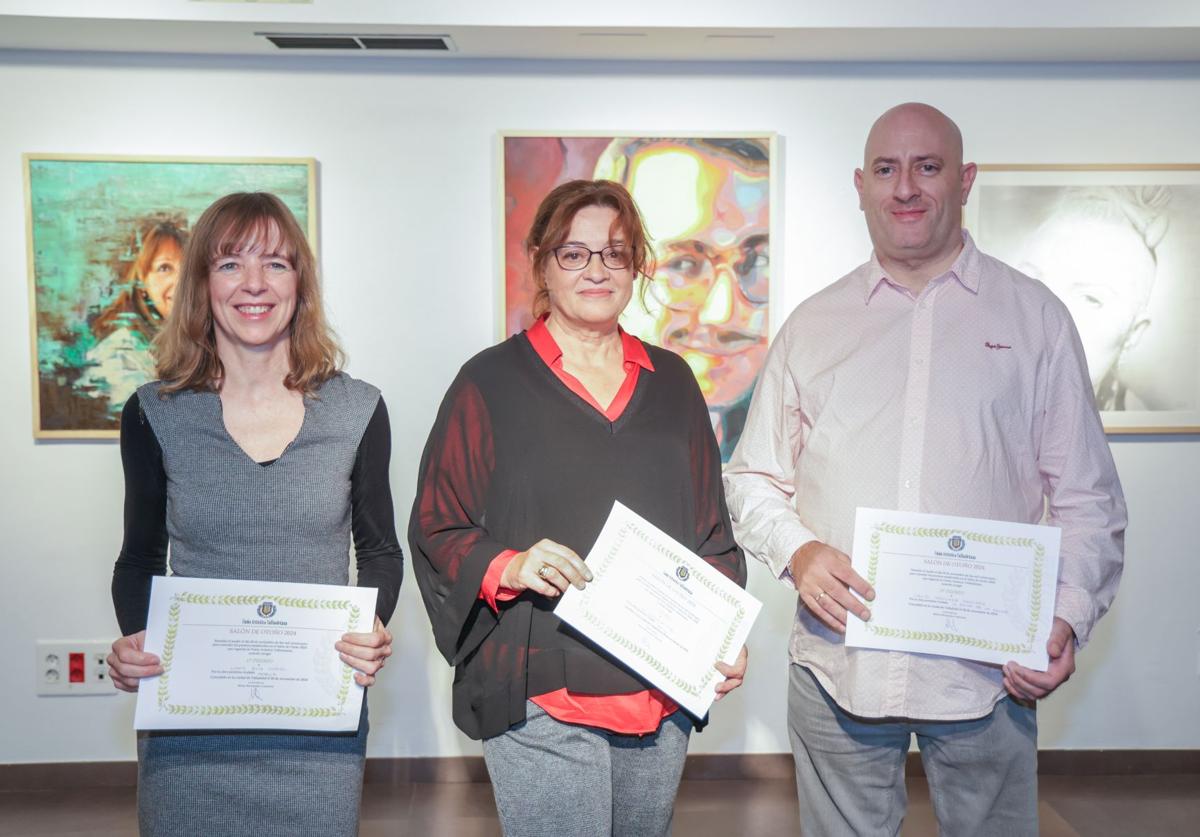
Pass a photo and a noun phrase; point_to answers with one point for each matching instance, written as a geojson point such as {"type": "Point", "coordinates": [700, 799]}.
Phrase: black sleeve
{"type": "Point", "coordinates": [447, 532]}
{"type": "Point", "coordinates": [372, 519]}
{"type": "Point", "coordinates": [144, 548]}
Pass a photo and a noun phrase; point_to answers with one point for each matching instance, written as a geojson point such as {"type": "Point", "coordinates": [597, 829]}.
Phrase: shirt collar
{"type": "Point", "coordinates": [543, 342]}
{"type": "Point", "coordinates": [966, 270]}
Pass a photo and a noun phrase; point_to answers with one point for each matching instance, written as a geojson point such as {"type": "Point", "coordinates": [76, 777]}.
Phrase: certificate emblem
{"type": "Point", "coordinates": [266, 610]}
{"type": "Point", "coordinates": [956, 543]}
{"type": "Point", "coordinates": [681, 572]}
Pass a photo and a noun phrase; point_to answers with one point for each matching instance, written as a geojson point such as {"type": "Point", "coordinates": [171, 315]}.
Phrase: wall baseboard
{"type": "Point", "coordinates": [700, 766]}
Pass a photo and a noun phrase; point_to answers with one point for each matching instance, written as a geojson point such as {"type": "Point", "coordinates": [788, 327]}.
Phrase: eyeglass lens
{"type": "Point", "coordinates": [574, 257]}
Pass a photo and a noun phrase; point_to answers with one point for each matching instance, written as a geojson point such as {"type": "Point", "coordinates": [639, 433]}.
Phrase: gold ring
{"type": "Point", "coordinates": [544, 571]}
{"type": "Point", "coordinates": [823, 595]}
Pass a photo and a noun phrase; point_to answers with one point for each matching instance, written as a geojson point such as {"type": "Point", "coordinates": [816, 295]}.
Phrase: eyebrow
{"type": "Point", "coordinates": [921, 158]}
{"type": "Point", "coordinates": [617, 243]}
{"type": "Point", "coordinates": [689, 244]}
{"type": "Point", "coordinates": [237, 254]}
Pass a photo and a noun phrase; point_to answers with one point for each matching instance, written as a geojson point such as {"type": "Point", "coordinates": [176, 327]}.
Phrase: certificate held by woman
{"type": "Point", "coordinates": [660, 609]}
{"type": "Point", "coordinates": [252, 655]}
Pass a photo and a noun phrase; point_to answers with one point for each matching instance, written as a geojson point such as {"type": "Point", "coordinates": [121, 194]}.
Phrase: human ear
{"type": "Point", "coordinates": [967, 177]}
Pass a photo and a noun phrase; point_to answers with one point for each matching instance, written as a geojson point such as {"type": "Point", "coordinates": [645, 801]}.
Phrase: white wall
{"type": "Point", "coordinates": [407, 171]}
{"type": "Point", "coordinates": [764, 14]}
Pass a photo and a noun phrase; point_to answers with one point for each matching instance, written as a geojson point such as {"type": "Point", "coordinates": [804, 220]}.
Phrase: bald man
{"type": "Point", "coordinates": [934, 379]}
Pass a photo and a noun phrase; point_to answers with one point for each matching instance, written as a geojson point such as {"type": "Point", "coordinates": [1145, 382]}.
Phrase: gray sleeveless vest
{"type": "Point", "coordinates": [229, 517]}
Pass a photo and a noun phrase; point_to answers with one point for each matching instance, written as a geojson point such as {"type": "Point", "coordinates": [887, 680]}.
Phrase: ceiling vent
{"type": "Point", "coordinates": [434, 43]}
{"type": "Point", "coordinates": [393, 43]}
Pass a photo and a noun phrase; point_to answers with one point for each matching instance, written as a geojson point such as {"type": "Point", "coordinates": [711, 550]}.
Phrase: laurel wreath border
{"type": "Point", "coordinates": [1039, 552]}
{"type": "Point", "coordinates": [695, 689]}
{"type": "Point", "coordinates": [168, 656]}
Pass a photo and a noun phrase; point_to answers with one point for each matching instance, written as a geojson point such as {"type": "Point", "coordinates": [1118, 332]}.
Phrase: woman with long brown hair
{"type": "Point", "coordinates": [253, 457]}
{"type": "Point", "coordinates": [534, 441]}
{"type": "Point", "coordinates": [119, 360]}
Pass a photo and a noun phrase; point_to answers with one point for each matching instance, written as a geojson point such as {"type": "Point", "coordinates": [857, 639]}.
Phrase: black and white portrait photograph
{"type": "Point", "coordinates": [1121, 247]}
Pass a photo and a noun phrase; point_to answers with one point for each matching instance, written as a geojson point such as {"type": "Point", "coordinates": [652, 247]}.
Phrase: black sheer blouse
{"type": "Point", "coordinates": [514, 456]}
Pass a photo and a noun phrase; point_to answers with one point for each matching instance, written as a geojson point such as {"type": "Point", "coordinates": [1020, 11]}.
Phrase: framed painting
{"type": "Point", "coordinates": [707, 201]}
{"type": "Point", "coordinates": [105, 241]}
{"type": "Point", "coordinates": [1120, 245]}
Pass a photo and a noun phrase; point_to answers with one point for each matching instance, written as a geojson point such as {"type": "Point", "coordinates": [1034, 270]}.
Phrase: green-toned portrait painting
{"type": "Point", "coordinates": [106, 239]}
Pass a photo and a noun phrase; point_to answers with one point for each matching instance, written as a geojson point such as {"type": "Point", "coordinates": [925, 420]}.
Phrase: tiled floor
{"type": "Point", "coordinates": [1094, 806]}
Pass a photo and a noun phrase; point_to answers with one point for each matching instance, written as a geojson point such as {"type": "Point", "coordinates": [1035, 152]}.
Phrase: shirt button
{"type": "Point", "coordinates": [908, 483]}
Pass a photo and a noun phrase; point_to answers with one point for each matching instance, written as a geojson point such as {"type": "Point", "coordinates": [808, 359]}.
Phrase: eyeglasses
{"type": "Point", "coordinates": [685, 278]}
{"type": "Point", "coordinates": [577, 257]}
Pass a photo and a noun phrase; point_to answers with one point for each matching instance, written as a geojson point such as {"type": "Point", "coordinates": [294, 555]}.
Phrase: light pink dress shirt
{"type": "Point", "coordinates": [970, 399]}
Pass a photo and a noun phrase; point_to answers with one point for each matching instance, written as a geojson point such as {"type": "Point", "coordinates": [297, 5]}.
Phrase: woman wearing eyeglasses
{"type": "Point", "coordinates": [533, 442]}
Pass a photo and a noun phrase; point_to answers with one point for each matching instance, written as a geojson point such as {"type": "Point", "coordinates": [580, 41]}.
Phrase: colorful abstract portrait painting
{"type": "Point", "coordinates": [1120, 246]}
{"type": "Point", "coordinates": [706, 202]}
{"type": "Point", "coordinates": [106, 241]}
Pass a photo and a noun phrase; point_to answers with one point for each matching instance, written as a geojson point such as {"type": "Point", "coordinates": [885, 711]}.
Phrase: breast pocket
{"type": "Point", "coordinates": [981, 418]}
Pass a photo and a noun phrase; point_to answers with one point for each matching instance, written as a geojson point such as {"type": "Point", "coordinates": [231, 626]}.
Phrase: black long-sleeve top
{"type": "Point", "coordinates": [514, 456]}
{"type": "Point", "coordinates": [378, 556]}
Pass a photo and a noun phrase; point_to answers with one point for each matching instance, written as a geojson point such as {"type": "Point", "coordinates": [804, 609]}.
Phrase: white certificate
{"type": "Point", "coordinates": [251, 655]}
{"type": "Point", "coordinates": [660, 609]}
{"type": "Point", "coordinates": [956, 586]}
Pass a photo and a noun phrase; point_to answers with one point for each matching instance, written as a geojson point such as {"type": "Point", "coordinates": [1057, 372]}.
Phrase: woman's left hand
{"type": "Point", "coordinates": [366, 652]}
{"type": "Point", "coordinates": [734, 674]}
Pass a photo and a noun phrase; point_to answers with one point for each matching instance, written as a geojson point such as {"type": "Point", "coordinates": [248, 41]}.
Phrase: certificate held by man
{"type": "Point", "coordinates": [660, 609]}
{"type": "Point", "coordinates": [252, 655]}
{"type": "Point", "coordinates": [956, 586]}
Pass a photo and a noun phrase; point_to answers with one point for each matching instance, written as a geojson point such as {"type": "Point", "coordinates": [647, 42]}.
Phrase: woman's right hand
{"type": "Point", "coordinates": [128, 663]}
{"type": "Point", "coordinates": [547, 568]}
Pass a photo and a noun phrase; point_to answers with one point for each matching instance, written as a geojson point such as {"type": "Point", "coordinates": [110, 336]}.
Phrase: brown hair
{"type": "Point", "coordinates": [185, 350]}
{"type": "Point", "coordinates": [152, 241]}
{"type": "Point", "coordinates": [148, 239]}
{"type": "Point", "coordinates": [552, 224]}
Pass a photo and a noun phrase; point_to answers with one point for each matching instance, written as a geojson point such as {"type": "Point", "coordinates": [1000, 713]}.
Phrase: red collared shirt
{"type": "Point", "coordinates": [636, 713]}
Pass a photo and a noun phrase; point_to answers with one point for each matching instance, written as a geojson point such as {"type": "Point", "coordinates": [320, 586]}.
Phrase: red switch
{"type": "Point", "coordinates": [76, 668]}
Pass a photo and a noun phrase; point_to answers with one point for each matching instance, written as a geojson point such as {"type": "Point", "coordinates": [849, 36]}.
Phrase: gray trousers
{"type": "Point", "coordinates": [564, 780]}
{"type": "Point", "coordinates": [850, 771]}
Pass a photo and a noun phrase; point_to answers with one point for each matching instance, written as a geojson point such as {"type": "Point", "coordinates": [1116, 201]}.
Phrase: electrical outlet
{"type": "Point", "coordinates": [72, 667]}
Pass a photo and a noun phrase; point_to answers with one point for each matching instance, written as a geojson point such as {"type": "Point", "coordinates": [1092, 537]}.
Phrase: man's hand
{"type": "Point", "coordinates": [824, 578]}
{"type": "Point", "coordinates": [1027, 684]}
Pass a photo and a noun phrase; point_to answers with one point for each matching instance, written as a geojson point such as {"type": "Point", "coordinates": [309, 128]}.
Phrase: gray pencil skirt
{"type": "Point", "coordinates": [253, 784]}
